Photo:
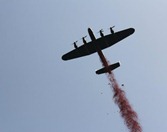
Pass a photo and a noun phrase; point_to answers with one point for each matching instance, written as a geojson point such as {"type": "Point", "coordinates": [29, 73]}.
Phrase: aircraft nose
{"type": "Point", "coordinates": [89, 29]}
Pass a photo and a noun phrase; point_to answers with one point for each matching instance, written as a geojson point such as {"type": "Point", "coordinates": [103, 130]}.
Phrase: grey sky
{"type": "Point", "coordinates": [40, 92]}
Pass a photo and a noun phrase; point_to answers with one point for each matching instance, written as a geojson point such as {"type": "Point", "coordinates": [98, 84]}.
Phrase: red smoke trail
{"type": "Point", "coordinates": [126, 111]}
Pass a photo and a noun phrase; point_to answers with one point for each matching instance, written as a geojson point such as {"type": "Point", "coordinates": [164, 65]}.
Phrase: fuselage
{"type": "Point", "coordinates": [99, 51]}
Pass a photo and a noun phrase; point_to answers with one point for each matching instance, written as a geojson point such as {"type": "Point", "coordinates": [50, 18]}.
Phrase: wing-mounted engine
{"type": "Point", "coordinates": [101, 32]}
{"type": "Point", "coordinates": [110, 67]}
{"type": "Point", "coordinates": [111, 29]}
{"type": "Point", "coordinates": [83, 39]}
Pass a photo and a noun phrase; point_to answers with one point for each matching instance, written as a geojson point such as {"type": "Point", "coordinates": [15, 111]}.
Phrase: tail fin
{"type": "Point", "coordinates": [111, 67]}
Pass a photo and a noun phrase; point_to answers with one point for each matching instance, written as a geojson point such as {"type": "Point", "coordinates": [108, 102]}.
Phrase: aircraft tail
{"type": "Point", "coordinates": [111, 67]}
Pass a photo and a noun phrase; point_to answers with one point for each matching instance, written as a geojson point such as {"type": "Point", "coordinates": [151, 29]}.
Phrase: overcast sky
{"type": "Point", "coordinates": [39, 92]}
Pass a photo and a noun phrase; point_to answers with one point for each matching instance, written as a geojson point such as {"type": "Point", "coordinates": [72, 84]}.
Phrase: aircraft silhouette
{"type": "Point", "coordinates": [97, 45]}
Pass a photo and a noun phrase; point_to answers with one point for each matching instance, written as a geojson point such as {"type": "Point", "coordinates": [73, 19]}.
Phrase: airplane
{"type": "Point", "coordinates": [97, 45]}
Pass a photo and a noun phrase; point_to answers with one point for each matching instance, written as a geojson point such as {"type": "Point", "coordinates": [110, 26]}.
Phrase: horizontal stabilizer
{"type": "Point", "coordinates": [110, 67]}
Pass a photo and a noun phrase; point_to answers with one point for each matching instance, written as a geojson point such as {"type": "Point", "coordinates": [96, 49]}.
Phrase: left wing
{"type": "Point", "coordinates": [102, 43]}
{"type": "Point", "coordinates": [81, 51]}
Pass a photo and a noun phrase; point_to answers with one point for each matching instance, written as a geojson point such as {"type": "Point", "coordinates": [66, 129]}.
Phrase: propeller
{"type": "Point", "coordinates": [112, 27]}
{"type": "Point", "coordinates": [75, 42]}
{"type": "Point", "coordinates": [100, 31]}
{"type": "Point", "coordinates": [84, 37]}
